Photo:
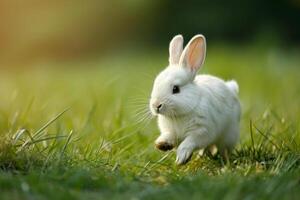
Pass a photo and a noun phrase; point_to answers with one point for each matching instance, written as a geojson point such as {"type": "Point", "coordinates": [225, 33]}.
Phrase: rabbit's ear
{"type": "Point", "coordinates": [193, 55]}
{"type": "Point", "coordinates": [175, 49]}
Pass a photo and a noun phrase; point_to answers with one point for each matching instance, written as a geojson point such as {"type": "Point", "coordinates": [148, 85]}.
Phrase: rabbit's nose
{"type": "Point", "coordinates": [158, 107]}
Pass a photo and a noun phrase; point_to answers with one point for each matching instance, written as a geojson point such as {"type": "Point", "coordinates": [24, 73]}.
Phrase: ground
{"type": "Point", "coordinates": [81, 130]}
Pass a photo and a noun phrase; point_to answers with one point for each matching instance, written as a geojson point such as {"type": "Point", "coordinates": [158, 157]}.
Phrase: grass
{"type": "Point", "coordinates": [81, 132]}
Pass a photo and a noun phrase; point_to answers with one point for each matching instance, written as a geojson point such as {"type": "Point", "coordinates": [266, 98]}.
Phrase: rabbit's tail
{"type": "Point", "coordinates": [233, 86]}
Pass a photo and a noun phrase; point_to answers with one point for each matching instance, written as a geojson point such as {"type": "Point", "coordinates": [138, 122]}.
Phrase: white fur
{"type": "Point", "coordinates": [233, 86]}
{"type": "Point", "coordinates": [206, 111]}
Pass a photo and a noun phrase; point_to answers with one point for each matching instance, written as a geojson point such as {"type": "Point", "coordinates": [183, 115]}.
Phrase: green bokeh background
{"type": "Point", "coordinates": [96, 60]}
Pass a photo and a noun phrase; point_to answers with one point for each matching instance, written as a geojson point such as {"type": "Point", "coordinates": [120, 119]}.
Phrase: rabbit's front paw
{"type": "Point", "coordinates": [164, 143]}
{"type": "Point", "coordinates": [164, 146]}
{"type": "Point", "coordinates": [183, 155]}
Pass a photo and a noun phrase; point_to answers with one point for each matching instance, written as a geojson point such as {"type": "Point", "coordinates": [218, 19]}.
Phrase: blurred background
{"type": "Point", "coordinates": [75, 81]}
{"type": "Point", "coordinates": [101, 57]}
{"type": "Point", "coordinates": [35, 31]}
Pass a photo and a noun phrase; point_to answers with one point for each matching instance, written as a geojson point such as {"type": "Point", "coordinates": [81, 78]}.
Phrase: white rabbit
{"type": "Point", "coordinates": [194, 112]}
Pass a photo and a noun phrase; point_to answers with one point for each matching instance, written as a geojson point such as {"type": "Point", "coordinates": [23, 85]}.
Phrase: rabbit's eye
{"type": "Point", "coordinates": [176, 89]}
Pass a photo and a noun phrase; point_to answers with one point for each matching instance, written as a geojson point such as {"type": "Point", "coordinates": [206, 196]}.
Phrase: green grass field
{"type": "Point", "coordinates": [80, 131]}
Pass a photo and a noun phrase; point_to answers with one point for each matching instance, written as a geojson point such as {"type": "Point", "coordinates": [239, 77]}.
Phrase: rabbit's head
{"type": "Point", "coordinates": [174, 92]}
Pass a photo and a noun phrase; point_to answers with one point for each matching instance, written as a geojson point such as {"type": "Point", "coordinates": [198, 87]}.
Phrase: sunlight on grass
{"type": "Point", "coordinates": [86, 132]}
